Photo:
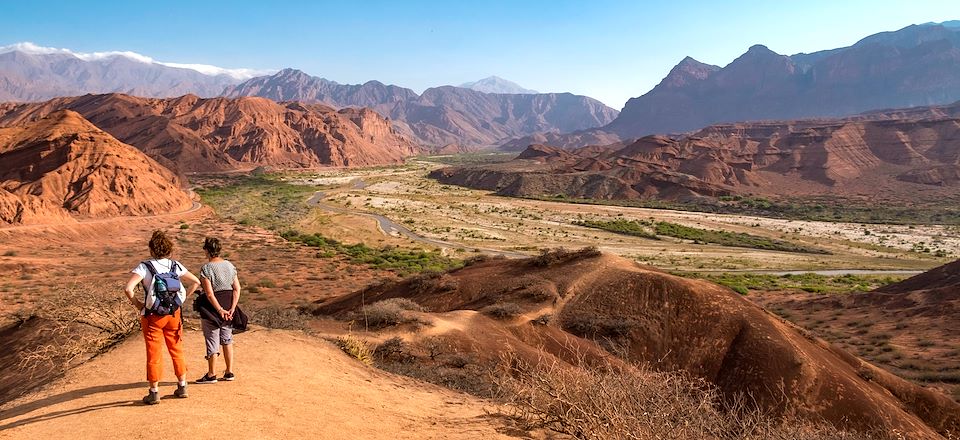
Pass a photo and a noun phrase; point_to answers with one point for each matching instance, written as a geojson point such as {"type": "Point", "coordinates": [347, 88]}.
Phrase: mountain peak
{"type": "Point", "coordinates": [686, 71]}
{"type": "Point", "coordinates": [290, 72]}
{"type": "Point", "coordinates": [495, 84]}
{"type": "Point", "coordinates": [760, 49]}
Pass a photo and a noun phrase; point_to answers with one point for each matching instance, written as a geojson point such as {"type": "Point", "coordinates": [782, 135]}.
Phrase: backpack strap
{"type": "Point", "coordinates": [146, 289]}
{"type": "Point", "coordinates": [153, 270]}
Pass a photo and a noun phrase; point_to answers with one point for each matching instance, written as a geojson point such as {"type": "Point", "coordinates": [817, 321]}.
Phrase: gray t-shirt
{"type": "Point", "coordinates": [221, 274]}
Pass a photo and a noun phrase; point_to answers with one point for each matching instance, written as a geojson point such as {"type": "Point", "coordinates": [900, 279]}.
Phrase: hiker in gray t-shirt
{"type": "Point", "coordinates": [221, 289]}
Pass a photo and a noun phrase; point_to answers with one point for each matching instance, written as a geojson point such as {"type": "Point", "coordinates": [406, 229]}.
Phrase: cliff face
{"type": "Point", "coordinates": [890, 157]}
{"type": "Point", "coordinates": [61, 167]}
{"type": "Point", "coordinates": [194, 134]}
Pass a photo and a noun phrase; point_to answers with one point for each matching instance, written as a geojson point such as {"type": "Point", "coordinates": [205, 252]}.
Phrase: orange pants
{"type": "Point", "coordinates": [159, 329]}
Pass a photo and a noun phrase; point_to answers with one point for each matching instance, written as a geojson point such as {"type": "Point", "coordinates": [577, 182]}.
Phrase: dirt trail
{"type": "Point", "coordinates": [289, 386]}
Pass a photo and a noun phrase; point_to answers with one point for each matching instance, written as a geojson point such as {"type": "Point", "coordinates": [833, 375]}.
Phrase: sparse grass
{"type": "Point", "coordinates": [355, 348]}
{"type": "Point", "coordinates": [653, 230]}
{"type": "Point", "coordinates": [267, 283]}
{"type": "Point", "coordinates": [620, 226]}
{"type": "Point", "coordinates": [734, 239]}
{"type": "Point", "coordinates": [399, 260]}
{"type": "Point", "coordinates": [262, 200]}
{"type": "Point", "coordinates": [824, 208]}
{"type": "Point", "coordinates": [841, 284]}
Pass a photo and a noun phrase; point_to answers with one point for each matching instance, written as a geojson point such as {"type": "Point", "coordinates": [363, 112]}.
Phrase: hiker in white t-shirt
{"type": "Point", "coordinates": [160, 311]}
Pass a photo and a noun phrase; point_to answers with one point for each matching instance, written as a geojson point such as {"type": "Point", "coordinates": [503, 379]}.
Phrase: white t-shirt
{"type": "Point", "coordinates": [160, 266]}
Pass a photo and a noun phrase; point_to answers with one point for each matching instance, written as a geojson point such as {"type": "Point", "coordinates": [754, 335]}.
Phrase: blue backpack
{"type": "Point", "coordinates": [166, 290]}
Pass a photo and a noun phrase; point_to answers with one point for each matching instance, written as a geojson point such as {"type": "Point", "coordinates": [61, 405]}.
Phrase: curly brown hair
{"type": "Point", "coordinates": [212, 246]}
{"type": "Point", "coordinates": [161, 246]}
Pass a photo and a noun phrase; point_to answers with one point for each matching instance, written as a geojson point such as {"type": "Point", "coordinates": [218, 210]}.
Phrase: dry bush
{"type": "Point", "coordinates": [628, 403]}
{"type": "Point", "coordinates": [594, 326]}
{"type": "Point", "coordinates": [356, 348]}
{"type": "Point", "coordinates": [502, 310]}
{"type": "Point", "coordinates": [388, 312]}
{"type": "Point", "coordinates": [393, 349]}
{"type": "Point", "coordinates": [553, 257]}
{"type": "Point", "coordinates": [543, 319]}
{"type": "Point", "coordinates": [279, 317]}
{"type": "Point", "coordinates": [423, 282]}
{"type": "Point", "coordinates": [82, 323]}
{"type": "Point", "coordinates": [482, 258]}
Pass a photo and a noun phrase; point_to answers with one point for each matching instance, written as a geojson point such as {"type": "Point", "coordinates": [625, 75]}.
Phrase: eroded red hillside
{"type": "Point", "coordinates": [192, 134]}
{"type": "Point", "coordinates": [61, 167]}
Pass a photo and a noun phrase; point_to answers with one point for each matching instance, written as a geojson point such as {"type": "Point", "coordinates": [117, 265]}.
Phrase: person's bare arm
{"type": "Point", "coordinates": [192, 283]}
{"type": "Point", "coordinates": [236, 294]}
{"type": "Point", "coordinates": [129, 291]}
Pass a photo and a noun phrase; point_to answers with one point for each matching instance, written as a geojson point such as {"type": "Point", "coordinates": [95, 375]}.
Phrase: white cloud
{"type": "Point", "coordinates": [206, 69]}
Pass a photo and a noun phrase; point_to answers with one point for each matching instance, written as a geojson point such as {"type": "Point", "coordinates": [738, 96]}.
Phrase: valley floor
{"type": "Point", "coordinates": [470, 219]}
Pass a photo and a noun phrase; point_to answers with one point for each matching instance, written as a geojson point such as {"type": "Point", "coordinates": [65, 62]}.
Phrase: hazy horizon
{"type": "Point", "coordinates": [608, 50]}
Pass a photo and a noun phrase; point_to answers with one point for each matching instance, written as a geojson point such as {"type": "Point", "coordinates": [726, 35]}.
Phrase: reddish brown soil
{"type": "Point", "coordinates": [644, 315]}
{"type": "Point", "coordinates": [909, 328]}
{"type": "Point", "coordinates": [272, 270]}
{"type": "Point", "coordinates": [289, 385]}
{"type": "Point", "coordinates": [61, 167]}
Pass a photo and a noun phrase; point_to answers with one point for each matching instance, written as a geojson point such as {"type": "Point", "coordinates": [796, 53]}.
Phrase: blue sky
{"type": "Point", "coordinates": [610, 50]}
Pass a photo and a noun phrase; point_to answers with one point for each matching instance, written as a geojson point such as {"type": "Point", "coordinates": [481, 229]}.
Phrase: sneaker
{"type": "Point", "coordinates": [207, 379]}
{"type": "Point", "coordinates": [152, 398]}
{"type": "Point", "coordinates": [181, 391]}
{"type": "Point", "coordinates": [228, 377]}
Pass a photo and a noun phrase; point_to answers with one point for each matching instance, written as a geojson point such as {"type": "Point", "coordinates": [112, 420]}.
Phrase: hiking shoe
{"type": "Point", "coordinates": [181, 391]}
{"type": "Point", "coordinates": [207, 378]}
{"type": "Point", "coordinates": [228, 377]}
{"type": "Point", "coordinates": [152, 398]}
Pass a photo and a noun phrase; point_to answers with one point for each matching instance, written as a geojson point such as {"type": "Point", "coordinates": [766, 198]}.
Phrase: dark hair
{"type": "Point", "coordinates": [160, 245]}
{"type": "Point", "coordinates": [212, 246]}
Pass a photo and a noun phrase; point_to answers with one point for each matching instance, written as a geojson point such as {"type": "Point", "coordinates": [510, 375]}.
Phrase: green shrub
{"type": "Point", "coordinates": [399, 260]}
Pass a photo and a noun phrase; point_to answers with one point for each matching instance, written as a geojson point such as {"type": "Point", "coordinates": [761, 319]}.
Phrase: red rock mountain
{"type": "Point", "coordinates": [885, 153]}
{"type": "Point", "coordinates": [62, 167]}
{"type": "Point", "coordinates": [192, 134]}
{"type": "Point", "coordinates": [942, 282]}
{"type": "Point", "coordinates": [915, 66]}
{"type": "Point", "coordinates": [441, 115]}
{"type": "Point", "coordinates": [643, 315]}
